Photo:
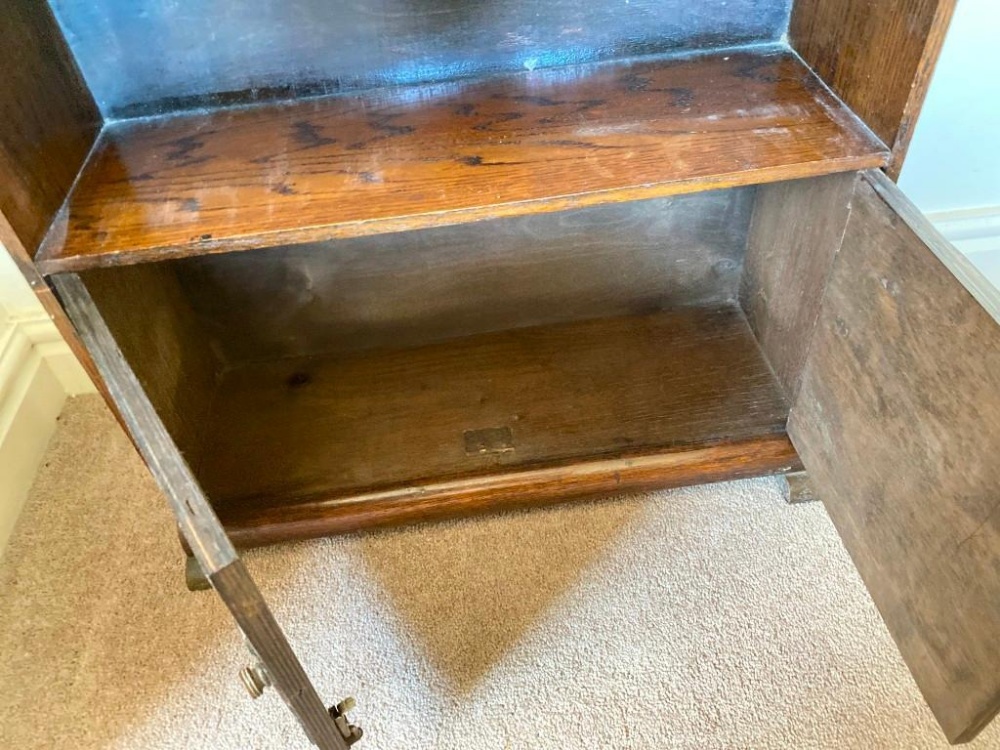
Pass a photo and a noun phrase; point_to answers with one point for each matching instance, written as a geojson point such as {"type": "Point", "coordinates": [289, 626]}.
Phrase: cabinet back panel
{"type": "Point", "coordinates": [415, 288]}
{"type": "Point", "coordinates": [145, 57]}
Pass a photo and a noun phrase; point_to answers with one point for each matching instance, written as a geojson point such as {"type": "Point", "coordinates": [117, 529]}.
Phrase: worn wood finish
{"type": "Point", "coordinates": [258, 524]}
{"type": "Point", "coordinates": [877, 56]}
{"type": "Point", "coordinates": [250, 50]}
{"type": "Point", "coordinates": [795, 234]}
{"type": "Point", "coordinates": [197, 521]}
{"type": "Point", "coordinates": [48, 120]}
{"type": "Point", "coordinates": [318, 432]}
{"type": "Point", "coordinates": [145, 310]}
{"type": "Point", "coordinates": [48, 123]}
{"type": "Point", "coordinates": [898, 424]}
{"type": "Point", "coordinates": [798, 488]}
{"type": "Point", "coordinates": [415, 288]}
{"type": "Point", "coordinates": [447, 154]}
{"type": "Point", "coordinates": [241, 595]}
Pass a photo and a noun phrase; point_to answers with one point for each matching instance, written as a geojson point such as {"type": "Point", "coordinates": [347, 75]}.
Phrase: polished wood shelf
{"type": "Point", "coordinates": [298, 448]}
{"type": "Point", "coordinates": [404, 158]}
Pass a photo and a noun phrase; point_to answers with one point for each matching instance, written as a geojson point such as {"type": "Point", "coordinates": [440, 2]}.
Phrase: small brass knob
{"type": "Point", "coordinates": [254, 679]}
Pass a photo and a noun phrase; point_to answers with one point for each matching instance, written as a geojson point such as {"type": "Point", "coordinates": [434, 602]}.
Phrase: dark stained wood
{"type": "Point", "coordinates": [877, 56]}
{"type": "Point", "coordinates": [423, 409]}
{"type": "Point", "coordinates": [301, 439]}
{"type": "Point", "coordinates": [416, 288]}
{"type": "Point", "coordinates": [795, 233]}
{"type": "Point", "coordinates": [898, 424]}
{"type": "Point", "coordinates": [401, 159]}
{"type": "Point", "coordinates": [48, 123]}
{"type": "Point", "coordinates": [241, 595]}
{"type": "Point", "coordinates": [165, 347]}
{"type": "Point", "coordinates": [310, 47]}
{"type": "Point", "coordinates": [48, 120]}
{"type": "Point", "coordinates": [196, 520]}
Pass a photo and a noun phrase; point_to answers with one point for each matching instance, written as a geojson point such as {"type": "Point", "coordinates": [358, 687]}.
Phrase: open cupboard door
{"type": "Point", "coordinates": [275, 662]}
{"type": "Point", "coordinates": [897, 420]}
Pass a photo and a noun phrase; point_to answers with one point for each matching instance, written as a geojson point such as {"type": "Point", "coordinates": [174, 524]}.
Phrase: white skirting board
{"type": "Point", "coordinates": [37, 372]}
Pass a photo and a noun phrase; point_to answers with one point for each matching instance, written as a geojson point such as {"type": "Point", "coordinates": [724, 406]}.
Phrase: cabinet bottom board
{"type": "Point", "coordinates": [300, 448]}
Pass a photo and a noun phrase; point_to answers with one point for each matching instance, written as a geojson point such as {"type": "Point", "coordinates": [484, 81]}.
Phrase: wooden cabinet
{"type": "Point", "coordinates": [336, 271]}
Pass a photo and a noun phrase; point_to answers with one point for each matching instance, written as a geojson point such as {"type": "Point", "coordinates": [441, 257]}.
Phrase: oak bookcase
{"type": "Point", "coordinates": [338, 266]}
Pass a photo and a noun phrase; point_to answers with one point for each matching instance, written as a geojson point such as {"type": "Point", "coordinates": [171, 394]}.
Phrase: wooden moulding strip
{"type": "Point", "coordinates": [321, 516]}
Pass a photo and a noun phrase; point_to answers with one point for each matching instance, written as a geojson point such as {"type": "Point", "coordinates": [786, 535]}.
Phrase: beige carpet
{"type": "Point", "coordinates": [711, 617]}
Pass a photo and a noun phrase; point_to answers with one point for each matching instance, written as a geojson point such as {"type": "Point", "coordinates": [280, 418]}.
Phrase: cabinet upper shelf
{"type": "Point", "coordinates": [397, 159]}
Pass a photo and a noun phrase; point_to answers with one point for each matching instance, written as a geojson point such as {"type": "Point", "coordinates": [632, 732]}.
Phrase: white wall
{"type": "Point", "coordinates": [954, 162]}
{"type": "Point", "coordinates": [16, 297]}
{"type": "Point", "coordinates": [953, 169]}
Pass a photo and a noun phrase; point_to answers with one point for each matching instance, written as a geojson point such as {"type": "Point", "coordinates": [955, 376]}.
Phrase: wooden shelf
{"type": "Point", "coordinates": [399, 159]}
{"type": "Point", "coordinates": [298, 448]}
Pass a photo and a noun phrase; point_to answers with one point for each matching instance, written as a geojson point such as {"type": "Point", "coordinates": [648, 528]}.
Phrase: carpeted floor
{"type": "Point", "coordinates": [710, 617]}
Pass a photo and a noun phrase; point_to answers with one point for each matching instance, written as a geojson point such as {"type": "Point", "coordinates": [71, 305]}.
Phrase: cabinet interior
{"type": "Point", "coordinates": [388, 369]}
{"type": "Point", "coordinates": [384, 261]}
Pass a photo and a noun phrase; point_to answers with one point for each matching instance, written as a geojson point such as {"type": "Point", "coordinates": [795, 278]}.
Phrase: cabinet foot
{"type": "Point", "coordinates": [798, 488]}
{"type": "Point", "coordinates": [194, 578]}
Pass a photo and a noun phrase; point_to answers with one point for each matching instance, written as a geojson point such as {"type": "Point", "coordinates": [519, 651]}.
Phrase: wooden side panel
{"type": "Point", "coordinates": [241, 595]}
{"type": "Point", "coordinates": [163, 344]}
{"type": "Point", "coordinates": [796, 231]}
{"type": "Point", "coordinates": [898, 424]}
{"type": "Point", "coordinates": [48, 123]}
{"type": "Point", "coordinates": [877, 56]}
{"type": "Point", "coordinates": [415, 288]}
{"type": "Point", "coordinates": [48, 120]}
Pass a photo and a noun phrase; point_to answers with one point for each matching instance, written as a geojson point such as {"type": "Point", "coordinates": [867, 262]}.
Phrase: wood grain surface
{"type": "Point", "coordinates": [405, 158]}
{"type": "Point", "coordinates": [898, 423]}
{"type": "Point", "coordinates": [877, 56]}
{"type": "Point", "coordinates": [145, 310]}
{"type": "Point", "coordinates": [196, 520]}
{"type": "Point", "coordinates": [259, 524]}
{"type": "Point", "coordinates": [243, 599]}
{"type": "Point", "coordinates": [795, 233]}
{"type": "Point", "coordinates": [48, 120]}
{"type": "Point", "coordinates": [414, 288]}
{"type": "Point", "coordinates": [48, 123]}
{"type": "Point", "coordinates": [317, 433]}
